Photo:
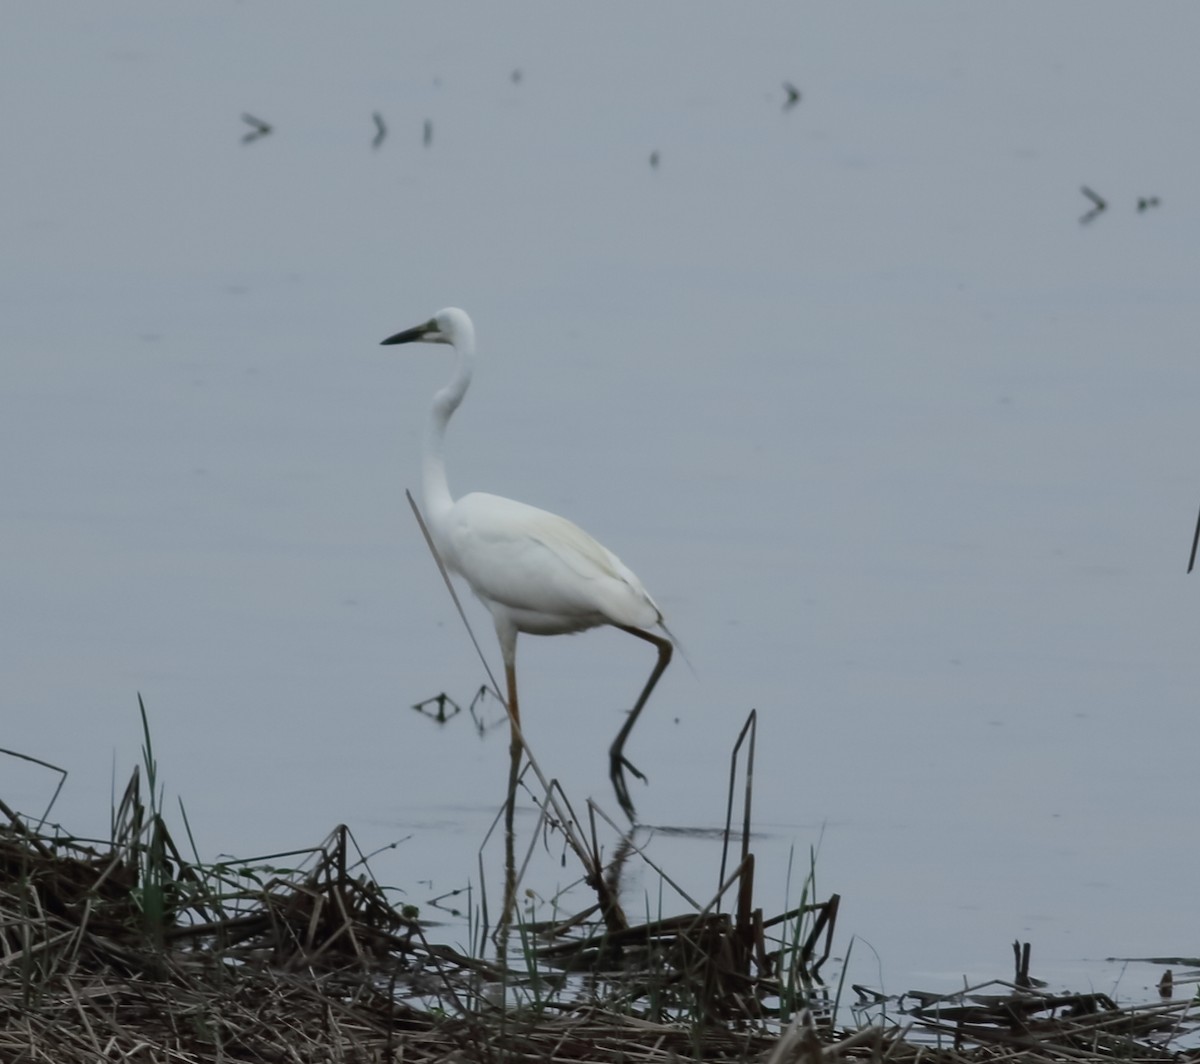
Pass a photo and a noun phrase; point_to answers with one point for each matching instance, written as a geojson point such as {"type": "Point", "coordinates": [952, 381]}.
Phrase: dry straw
{"type": "Point", "coordinates": [125, 950]}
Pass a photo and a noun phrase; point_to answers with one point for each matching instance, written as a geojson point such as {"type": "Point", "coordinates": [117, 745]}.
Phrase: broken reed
{"type": "Point", "coordinates": [311, 963]}
{"type": "Point", "coordinates": [128, 950]}
{"type": "Point", "coordinates": [107, 946]}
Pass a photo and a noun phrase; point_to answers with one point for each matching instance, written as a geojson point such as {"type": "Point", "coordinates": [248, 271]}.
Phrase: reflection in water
{"type": "Point", "coordinates": [721, 959]}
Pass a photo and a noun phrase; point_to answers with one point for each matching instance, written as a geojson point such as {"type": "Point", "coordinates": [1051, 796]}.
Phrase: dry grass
{"type": "Point", "coordinates": [124, 950]}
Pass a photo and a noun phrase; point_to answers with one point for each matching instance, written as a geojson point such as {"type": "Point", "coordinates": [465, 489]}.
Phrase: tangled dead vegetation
{"type": "Point", "coordinates": [125, 950]}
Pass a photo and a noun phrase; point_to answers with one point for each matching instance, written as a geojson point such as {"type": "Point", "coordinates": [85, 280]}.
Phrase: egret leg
{"type": "Point", "coordinates": [618, 762]}
{"type": "Point", "coordinates": [510, 805]}
{"type": "Point", "coordinates": [514, 713]}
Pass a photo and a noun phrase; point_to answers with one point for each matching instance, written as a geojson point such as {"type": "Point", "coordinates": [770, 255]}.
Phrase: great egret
{"type": "Point", "coordinates": [536, 572]}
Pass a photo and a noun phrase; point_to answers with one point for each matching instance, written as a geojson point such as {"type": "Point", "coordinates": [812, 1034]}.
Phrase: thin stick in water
{"type": "Point", "coordinates": [1195, 544]}
{"type": "Point", "coordinates": [453, 594]}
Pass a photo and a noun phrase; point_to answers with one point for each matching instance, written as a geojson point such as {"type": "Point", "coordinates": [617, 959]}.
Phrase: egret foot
{"type": "Point", "coordinates": [618, 763]}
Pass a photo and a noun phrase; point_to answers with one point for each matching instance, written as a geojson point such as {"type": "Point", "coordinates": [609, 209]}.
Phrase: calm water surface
{"type": "Point", "coordinates": [905, 451]}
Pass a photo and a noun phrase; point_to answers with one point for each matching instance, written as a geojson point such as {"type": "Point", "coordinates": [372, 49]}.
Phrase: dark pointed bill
{"type": "Point", "coordinates": [408, 336]}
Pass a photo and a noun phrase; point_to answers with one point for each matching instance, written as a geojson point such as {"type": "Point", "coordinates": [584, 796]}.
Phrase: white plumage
{"type": "Point", "coordinates": [541, 568]}
{"type": "Point", "coordinates": [535, 571]}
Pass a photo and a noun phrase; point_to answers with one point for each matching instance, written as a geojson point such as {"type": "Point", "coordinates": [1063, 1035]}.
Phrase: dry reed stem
{"type": "Point", "coordinates": [316, 965]}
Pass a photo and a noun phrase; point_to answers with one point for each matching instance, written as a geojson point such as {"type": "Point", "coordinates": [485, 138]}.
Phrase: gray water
{"type": "Point", "coordinates": [904, 450]}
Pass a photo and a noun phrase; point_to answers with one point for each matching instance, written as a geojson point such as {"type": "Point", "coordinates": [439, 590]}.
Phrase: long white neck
{"type": "Point", "coordinates": [435, 489]}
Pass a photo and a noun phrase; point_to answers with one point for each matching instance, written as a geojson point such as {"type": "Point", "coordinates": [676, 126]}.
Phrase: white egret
{"type": "Point", "coordinates": [536, 572]}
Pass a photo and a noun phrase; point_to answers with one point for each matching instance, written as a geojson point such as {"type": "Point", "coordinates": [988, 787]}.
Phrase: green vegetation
{"type": "Point", "coordinates": [127, 950]}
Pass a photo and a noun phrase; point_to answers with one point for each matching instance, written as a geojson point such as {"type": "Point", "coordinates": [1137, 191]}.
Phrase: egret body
{"type": "Point", "coordinates": [536, 572]}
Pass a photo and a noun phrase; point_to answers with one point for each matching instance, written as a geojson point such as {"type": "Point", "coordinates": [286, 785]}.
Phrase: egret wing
{"type": "Point", "coordinates": [532, 560]}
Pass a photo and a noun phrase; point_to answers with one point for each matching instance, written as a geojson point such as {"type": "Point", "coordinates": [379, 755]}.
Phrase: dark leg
{"type": "Point", "coordinates": [618, 762]}
{"type": "Point", "coordinates": [514, 772]}
{"type": "Point", "coordinates": [516, 746]}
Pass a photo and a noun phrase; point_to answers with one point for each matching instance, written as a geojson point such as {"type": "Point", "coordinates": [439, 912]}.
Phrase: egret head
{"type": "Point", "coordinates": [449, 326]}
